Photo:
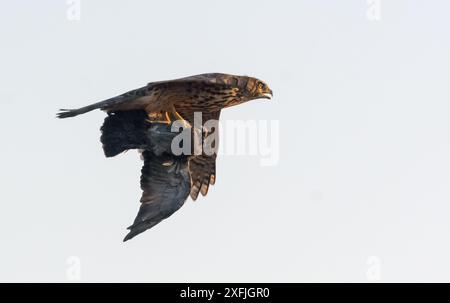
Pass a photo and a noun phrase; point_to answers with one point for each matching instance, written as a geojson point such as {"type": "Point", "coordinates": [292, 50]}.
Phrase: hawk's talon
{"type": "Point", "coordinates": [185, 123]}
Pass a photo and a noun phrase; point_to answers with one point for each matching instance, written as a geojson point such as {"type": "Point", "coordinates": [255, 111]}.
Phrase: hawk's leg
{"type": "Point", "coordinates": [167, 118]}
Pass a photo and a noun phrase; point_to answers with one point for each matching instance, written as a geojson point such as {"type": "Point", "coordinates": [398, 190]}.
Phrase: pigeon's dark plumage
{"type": "Point", "coordinates": [165, 178]}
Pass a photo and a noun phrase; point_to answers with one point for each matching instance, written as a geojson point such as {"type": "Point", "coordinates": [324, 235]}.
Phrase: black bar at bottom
{"type": "Point", "coordinates": [223, 292]}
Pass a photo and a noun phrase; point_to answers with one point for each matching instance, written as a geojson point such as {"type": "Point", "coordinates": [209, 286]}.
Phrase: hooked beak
{"type": "Point", "coordinates": [268, 94]}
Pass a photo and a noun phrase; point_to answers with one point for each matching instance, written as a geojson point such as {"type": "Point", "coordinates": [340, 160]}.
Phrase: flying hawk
{"type": "Point", "coordinates": [142, 119]}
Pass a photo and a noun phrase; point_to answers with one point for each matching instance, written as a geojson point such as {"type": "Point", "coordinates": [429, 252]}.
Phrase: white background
{"type": "Point", "coordinates": [362, 188]}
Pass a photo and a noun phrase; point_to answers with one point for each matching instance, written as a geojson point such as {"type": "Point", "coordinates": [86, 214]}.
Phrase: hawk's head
{"type": "Point", "coordinates": [260, 89]}
{"type": "Point", "coordinates": [255, 89]}
{"type": "Point", "coordinates": [242, 88]}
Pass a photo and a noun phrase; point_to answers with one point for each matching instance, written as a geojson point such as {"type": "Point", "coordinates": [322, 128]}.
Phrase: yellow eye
{"type": "Point", "coordinates": [260, 86]}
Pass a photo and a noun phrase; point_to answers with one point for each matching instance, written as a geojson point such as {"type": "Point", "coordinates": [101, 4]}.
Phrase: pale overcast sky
{"type": "Point", "coordinates": [361, 190]}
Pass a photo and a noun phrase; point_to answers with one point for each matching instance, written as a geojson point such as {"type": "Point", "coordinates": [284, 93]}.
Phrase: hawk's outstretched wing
{"type": "Point", "coordinates": [166, 185]}
{"type": "Point", "coordinates": [203, 167]}
{"type": "Point", "coordinates": [203, 174]}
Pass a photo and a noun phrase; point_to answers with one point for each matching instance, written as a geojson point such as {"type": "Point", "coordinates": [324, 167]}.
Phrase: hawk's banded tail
{"type": "Point", "coordinates": [67, 113]}
{"type": "Point", "coordinates": [106, 104]}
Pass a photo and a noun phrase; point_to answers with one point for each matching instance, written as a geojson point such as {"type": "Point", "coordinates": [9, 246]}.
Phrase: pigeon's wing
{"type": "Point", "coordinates": [202, 168]}
{"type": "Point", "coordinates": [166, 185]}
